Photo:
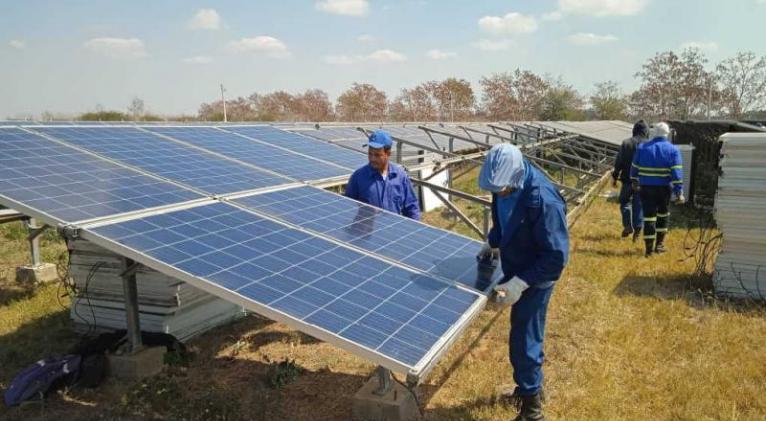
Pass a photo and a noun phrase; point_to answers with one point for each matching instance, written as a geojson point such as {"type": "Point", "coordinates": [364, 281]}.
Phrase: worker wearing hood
{"type": "Point", "coordinates": [530, 235]}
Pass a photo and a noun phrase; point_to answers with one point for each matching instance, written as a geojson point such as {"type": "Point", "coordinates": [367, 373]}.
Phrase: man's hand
{"type": "Point", "coordinates": [509, 293]}
{"type": "Point", "coordinates": [487, 251]}
{"type": "Point", "coordinates": [635, 186]}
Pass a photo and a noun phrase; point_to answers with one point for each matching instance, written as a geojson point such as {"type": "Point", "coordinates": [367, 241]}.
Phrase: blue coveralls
{"type": "Point", "coordinates": [535, 248]}
{"type": "Point", "coordinates": [657, 168]}
{"type": "Point", "coordinates": [394, 194]}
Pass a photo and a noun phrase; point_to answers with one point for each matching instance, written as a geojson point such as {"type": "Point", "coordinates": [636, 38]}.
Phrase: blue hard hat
{"type": "Point", "coordinates": [380, 139]}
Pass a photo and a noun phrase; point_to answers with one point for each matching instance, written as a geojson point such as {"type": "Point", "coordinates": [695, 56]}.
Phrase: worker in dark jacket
{"type": "Point", "coordinates": [529, 227]}
{"type": "Point", "coordinates": [657, 173]}
{"type": "Point", "coordinates": [630, 202]}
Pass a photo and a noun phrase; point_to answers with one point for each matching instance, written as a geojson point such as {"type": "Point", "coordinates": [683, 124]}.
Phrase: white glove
{"type": "Point", "coordinates": [487, 250]}
{"type": "Point", "coordinates": [510, 292]}
{"type": "Point", "coordinates": [679, 199]}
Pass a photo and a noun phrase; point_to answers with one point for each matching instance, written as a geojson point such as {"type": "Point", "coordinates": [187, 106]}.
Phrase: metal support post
{"type": "Point", "coordinates": [34, 240]}
{"type": "Point", "coordinates": [384, 379]}
{"type": "Point", "coordinates": [131, 304]}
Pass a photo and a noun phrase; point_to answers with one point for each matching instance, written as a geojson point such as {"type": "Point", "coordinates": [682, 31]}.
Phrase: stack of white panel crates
{"type": "Point", "coordinates": [740, 209]}
{"type": "Point", "coordinates": [165, 304]}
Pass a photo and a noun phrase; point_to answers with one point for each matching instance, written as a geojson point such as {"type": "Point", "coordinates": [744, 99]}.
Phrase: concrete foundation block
{"type": "Point", "coordinates": [42, 273]}
{"type": "Point", "coordinates": [397, 404]}
{"type": "Point", "coordinates": [139, 365]}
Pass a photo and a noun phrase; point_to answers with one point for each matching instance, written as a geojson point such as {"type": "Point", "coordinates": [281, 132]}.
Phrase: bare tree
{"type": "Point", "coordinates": [608, 101]}
{"type": "Point", "coordinates": [414, 104]}
{"type": "Point", "coordinates": [453, 97]}
{"type": "Point", "coordinates": [314, 105]}
{"type": "Point", "coordinates": [513, 96]}
{"type": "Point", "coordinates": [362, 102]}
{"type": "Point", "coordinates": [136, 108]}
{"type": "Point", "coordinates": [743, 80]}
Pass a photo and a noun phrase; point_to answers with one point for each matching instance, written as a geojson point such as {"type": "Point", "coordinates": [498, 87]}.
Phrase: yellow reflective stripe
{"type": "Point", "coordinates": [678, 181]}
{"type": "Point", "coordinates": [677, 167]}
{"type": "Point", "coordinates": [649, 174]}
{"type": "Point", "coordinates": [661, 230]}
{"type": "Point", "coordinates": [650, 219]}
{"type": "Point", "coordinates": [650, 237]}
{"type": "Point", "coordinates": [652, 168]}
{"type": "Point", "coordinates": [663, 215]}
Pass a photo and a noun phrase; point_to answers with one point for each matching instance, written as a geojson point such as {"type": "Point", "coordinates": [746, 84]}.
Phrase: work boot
{"type": "Point", "coordinates": [660, 248]}
{"type": "Point", "coordinates": [649, 248]}
{"type": "Point", "coordinates": [636, 234]}
{"type": "Point", "coordinates": [626, 232]}
{"type": "Point", "coordinates": [508, 394]}
{"type": "Point", "coordinates": [531, 409]}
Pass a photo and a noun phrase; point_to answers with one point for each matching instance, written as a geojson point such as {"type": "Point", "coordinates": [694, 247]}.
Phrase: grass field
{"type": "Point", "coordinates": [627, 339]}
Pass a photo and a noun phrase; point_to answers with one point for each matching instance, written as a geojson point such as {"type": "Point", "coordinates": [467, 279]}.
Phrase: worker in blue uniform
{"type": "Point", "coordinates": [657, 174]}
{"type": "Point", "coordinates": [529, 232]}
{"type": "Point", "coordinates": [630, 201]}
{"type": "Point", "coordinates": [382, 183]}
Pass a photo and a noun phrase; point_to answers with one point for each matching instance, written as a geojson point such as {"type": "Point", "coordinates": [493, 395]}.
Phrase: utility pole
{"type": "Point", "coordinates": [223, 99]}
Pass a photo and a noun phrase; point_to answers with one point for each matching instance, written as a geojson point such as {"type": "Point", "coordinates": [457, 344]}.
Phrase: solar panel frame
{"type": "Point", "coordinates": [86, 166]}
{"type": "Point", "coordinates": [155, 154]}
{"type": "Point", "coordinates": [414, 372]}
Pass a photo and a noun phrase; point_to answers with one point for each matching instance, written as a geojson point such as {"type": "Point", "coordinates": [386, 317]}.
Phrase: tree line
{"type": "Point", "coordinates": [673, 85]}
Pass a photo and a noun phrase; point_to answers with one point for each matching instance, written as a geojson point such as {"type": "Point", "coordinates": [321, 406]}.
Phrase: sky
{"type": "Point", "coordinates": [68, 57]}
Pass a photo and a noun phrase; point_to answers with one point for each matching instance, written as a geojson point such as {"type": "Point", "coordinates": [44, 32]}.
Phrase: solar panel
{"type": "Point", "coordinates": [259, 154]}
{"type": "Point", "coordinates": [394, 316]}
{"type": "Point", "coordinates": [60, 184]}
{"type": "Point", "coordinates": [302, 144]}
{"type": "Point", "coordinates": [434, 251]}
{"type": "Point", "coordinates": [149, 152]}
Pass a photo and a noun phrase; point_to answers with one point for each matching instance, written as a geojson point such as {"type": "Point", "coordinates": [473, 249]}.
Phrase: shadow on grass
{"type": "Point", "coordinates": [663, 287]}
{"type": "Point", "coordinates": [9, 294]}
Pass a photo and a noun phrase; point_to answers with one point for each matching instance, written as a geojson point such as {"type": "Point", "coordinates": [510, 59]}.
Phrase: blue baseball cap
{"type": "Point", "coordinates": [380, 139]}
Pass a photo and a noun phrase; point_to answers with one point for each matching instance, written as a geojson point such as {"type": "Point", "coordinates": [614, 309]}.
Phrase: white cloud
{"type": "Point", "coordinates": [365, 38]}
{"type": "Point", "coordinates": [602, 7]}
{"type": "Point", "coordinates": [440, 55]}
{"type": "Point", "coordinates": [511, 23]}
{"type": "Point", "coordinates": [117, 48]}
{"type": "Point", "coordinates": [760, 1]}
{"type": "Point", "coordinates": [205, 19]}
{"type": "Point", "coordinates": [344, 7]}
{"type": "Point", "coordinates": [704, 46]}
{"type": "Point", "coordinates": [198, 60]}
{"type": "Point", "coordinates": [590, 39]}
{"type": "Point", "coordinates": [381, 56]}
{"type": "Point", "coordinates": [386, 56]}
{"type": "Point", "coordinates": [17, 44]}
{"type": "Point", "coordinates": [260, 44]}
{"type": "Point", "coordinates": [494, 45]}
{"type": "Point", "coordinates": [553, 16]}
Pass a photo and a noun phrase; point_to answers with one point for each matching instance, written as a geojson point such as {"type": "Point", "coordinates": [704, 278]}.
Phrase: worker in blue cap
{"type": "Point", "coordinates": [381, 183]}
{"type": "Point", "coordinates": [530, 235]}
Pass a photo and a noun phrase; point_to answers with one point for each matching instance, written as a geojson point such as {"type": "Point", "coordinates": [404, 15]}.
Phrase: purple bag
{"type": "Point", "coordinates": [38, 378]}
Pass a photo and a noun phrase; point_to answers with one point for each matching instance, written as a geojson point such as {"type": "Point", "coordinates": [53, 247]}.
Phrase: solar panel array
{"type": "Point", "coordinates": [166, 158]}
{"type": "Point", "coordinates": [375, 283]}
{"type": "Point", "coordinates": [394, 312]}
{"type": "Point", "coordinates": [302, 144]}
{"type": "Point", "coordinates": [265, 156]}
{"type": "Point", "coordinates": [61, 184]}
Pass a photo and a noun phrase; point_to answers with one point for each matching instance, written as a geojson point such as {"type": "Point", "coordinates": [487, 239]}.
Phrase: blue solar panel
{"type": "Point", "coordinates": [68, 185]}
{"type": "Point", "coordinates": [174, 161]}
{"type": "Point", "coordinates": [255, 153]}
{"type": "Point", "coordinates": [302, 144]}
{"type": "Point", "coordinates": [354, 298]}
{"type": "Point", "coordinates": [429, 249]}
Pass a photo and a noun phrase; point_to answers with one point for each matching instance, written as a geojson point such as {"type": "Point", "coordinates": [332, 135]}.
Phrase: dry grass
{"type": "Point", "coordinates": [627, 339]}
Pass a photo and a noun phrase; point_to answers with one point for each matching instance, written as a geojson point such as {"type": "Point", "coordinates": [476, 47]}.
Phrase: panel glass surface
{"type": "Point", "coordinates": [70, 186]}
{"type": "Point", "coordinates": [151, 153]}
{"type": "Point", "coordinates": [429, 249]}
